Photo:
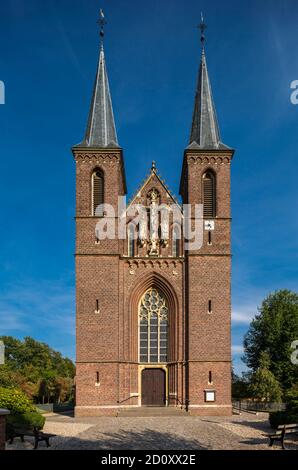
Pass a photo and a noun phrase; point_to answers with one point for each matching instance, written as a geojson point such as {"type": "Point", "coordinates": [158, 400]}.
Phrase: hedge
{"type": "Point", "coordinates": [283, 417]}
{"type": "Point", "coordinates": [15, 401]}
{"type": "Point", "coordinates": [28, 420]}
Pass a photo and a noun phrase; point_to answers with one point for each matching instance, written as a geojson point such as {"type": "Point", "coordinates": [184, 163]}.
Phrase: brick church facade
{"type": "Point", "coordinates": [153, 318]}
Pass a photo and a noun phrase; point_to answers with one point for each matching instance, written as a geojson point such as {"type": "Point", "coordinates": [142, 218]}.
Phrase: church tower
{"type": "Point", "coordinates": [205, 180]}
{"type": "Point", "coordinates": [152, 313]}
{"type": "Point", "coordinates": [100, 179]}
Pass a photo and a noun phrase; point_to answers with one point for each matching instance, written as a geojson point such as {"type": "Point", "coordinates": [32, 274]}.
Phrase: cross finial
{"type": "Point", "coordinates": [153, 168]}
{"type": "Point", "coordinates": [102, 22]}
{"type": "Point", "coordinates": [202, 26]}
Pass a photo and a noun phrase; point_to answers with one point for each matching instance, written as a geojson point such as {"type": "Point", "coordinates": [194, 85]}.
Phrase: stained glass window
{"type": "Point", "coordinates": [153, 327]}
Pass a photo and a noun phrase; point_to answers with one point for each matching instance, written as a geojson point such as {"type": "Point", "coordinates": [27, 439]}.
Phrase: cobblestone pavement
{"type": "Point", "coordinates": [147, 433]}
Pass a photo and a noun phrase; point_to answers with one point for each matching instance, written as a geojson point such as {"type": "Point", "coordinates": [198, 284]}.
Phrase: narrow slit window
{"type": "Point", "coordinates": [97, 306]}
{"type": "Point", "coordinates": [210, 377]}
{"type": "Point", "coordinates": [209, 306]}
{"type": "Point", "coordinates": [97, 377]}
{"type": "Point", "coordinates": [209, 238]}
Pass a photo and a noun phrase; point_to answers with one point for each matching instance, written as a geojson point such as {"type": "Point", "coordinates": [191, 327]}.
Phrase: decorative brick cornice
{"type": "Point", "coordinates": [214, 160]}
{"type": "Point", "coordinates": [133, 264]}
{"type": "Point", "coordinates": [100, 158]}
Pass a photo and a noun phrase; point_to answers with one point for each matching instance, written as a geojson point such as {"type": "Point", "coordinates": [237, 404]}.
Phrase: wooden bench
{"type": "Point", "coordinates": [38, 435]}
{"type": "Point", "coordinates": [281, 432]}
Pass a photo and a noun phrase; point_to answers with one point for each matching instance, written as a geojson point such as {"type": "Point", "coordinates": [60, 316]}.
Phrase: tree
{"type": "Point", "coordinates": [38, 370]}
{"type": "Point", "coordinates": [240, 387]}
{"type": "Point", "coordinates": [273, 330]}
{"type": "Point", "coordinates": [63, 389]}
{"type": "Point", "coordinates": [264, 386]}
{"type": "Point", "coordinates": [7, 378]}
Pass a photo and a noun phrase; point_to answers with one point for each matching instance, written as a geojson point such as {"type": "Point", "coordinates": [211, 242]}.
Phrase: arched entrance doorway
{"type": "Point", "coordinates": [153, 325]}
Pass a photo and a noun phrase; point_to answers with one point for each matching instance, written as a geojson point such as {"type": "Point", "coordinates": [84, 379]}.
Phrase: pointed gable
{"type": "Point", "coordinates": [154, 180]}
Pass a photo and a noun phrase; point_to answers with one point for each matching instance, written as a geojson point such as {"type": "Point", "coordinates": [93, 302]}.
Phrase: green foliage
{"type": "Point", "coordinates": [15, 401]}
{"type": "Point", "coordinates": [33, 358]}
{"type": "Point", "coordinates": [278, 418]}
{"type": "Point", "coordinates": [291, 397]}
{"type": "Point", "coordinates": [25, 421]}
{"type": "Point", "coordinates": [273, 330]}
{"type": "Point", "coordinates": [7, 377]}
{"type": "Point", "coordinates": [264, 386]}
{"type": "Point", "coordinates": [38, 370]}
{"type": "Point", "coordinates": [240, 387]}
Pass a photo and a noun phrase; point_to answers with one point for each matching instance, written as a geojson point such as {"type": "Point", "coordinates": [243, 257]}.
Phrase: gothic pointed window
{"type": "Point", "coordinates": [209, 194]}
{"type": "Point", "coordinates": [176, 241]}
{"type": "Point", "coordinates": [131, 240]}
{"type": "Point", "coordinates": [97, 193]}
{"type": "Point", "coordinates": [153, 327]}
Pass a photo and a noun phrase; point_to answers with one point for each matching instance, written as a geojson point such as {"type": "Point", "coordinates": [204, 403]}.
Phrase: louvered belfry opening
{"type": "Point", "coordinates": [98, 193]}
{"type": "Point", "coordinates": [209, 196]}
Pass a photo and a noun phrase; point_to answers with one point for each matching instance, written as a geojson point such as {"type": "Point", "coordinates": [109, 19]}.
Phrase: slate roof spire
{"type": "Point", "coordinates": [101, 129]}
{"type": "Point", "coordinates": [205, 130]}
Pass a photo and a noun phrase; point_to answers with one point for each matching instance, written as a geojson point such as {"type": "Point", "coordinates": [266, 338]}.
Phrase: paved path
{"type": "Point", "coordinates": [169, 432]}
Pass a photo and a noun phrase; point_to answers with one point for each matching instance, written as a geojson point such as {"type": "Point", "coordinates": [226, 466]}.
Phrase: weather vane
{"type": "Point", "coordinates": [102, 22]}
{"type": "Point", "coordinates": [202, 26]}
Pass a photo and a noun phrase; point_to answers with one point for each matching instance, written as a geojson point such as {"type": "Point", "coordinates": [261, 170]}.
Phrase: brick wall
{"type": "Point", "coordinates": [107, 340]}
{"type": "Point", "coordinates": [208, 272]}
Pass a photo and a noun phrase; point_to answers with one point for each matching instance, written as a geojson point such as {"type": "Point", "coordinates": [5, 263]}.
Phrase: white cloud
{"type": "Point", "coordinates": [28, 306]}
{"type": "Point", "coordinates": [244, 314]}
{"type": "Point", "coordinates": [10, 319]}
{"type": "Point", "coordinates": [237, 349]}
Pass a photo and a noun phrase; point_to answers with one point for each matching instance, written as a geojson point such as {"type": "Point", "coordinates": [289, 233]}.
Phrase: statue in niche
{"type": "Point", "coordinates": [143, 232]}
{"type": "Point", "coordinates": [154, 223]}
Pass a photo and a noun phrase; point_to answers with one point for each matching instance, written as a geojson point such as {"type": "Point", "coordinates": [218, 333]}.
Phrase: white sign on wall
{"type": "Point", "coordinates": [209, 225]}
{"type": "Point", "coordinates": [209, 395]}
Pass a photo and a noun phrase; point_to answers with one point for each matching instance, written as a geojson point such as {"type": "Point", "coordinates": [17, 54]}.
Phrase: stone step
{"type": "Point", "coordinates": [151, 411]}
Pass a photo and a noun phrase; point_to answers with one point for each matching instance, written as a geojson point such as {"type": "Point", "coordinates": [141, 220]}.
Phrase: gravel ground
{"type": "Point", "coordinates": [169, 432]}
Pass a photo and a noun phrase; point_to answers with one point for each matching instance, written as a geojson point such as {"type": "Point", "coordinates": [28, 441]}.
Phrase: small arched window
{"type": "Point", "coordinates": [209, 194]}
{"type": "Point", "coordinates": [131, 240]}
{"type": "Point", "coordinates": [176, 237]}
{"type": "Point", "coordinates": [97, 193]}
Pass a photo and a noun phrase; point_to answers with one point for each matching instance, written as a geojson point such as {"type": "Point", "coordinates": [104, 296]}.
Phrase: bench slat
{"type": "Point", "coordinates": [287, 426]}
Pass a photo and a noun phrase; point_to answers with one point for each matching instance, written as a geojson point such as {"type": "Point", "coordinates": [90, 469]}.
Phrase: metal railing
{"type": "Point", "coordinates": [257, 407]}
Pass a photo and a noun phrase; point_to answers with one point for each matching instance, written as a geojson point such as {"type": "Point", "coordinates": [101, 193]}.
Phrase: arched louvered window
{"type": "Point", "coordinates": [176, 236]}
{"type": "Point", "coordinates": [97, 193]}
{"type": "Point", "coordinates": [153, 327]}
{"type": "Point", "coordinates": [209, 194]}
{"type": "Point", "coordinates": [131, 240]}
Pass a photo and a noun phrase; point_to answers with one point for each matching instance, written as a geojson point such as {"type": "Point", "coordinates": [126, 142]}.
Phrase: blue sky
{"type": "Point", "coordinates": [48, 55]}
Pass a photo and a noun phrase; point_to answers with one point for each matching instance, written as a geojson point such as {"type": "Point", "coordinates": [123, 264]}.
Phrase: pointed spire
{"type": "Point", "coordinates": [205, 131]}
{"type": "Point", "coordinates": [101, 130]}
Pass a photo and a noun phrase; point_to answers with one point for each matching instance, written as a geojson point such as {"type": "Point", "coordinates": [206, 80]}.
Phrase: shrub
{"type": "Point", "coordinates": [15, 401]}
{"type": "Point", "coordinates": [291, 398]}
{"type": "Point", "coordinates": [27, 420]}
{"type": "Point", "coordinates": [283, 417]}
